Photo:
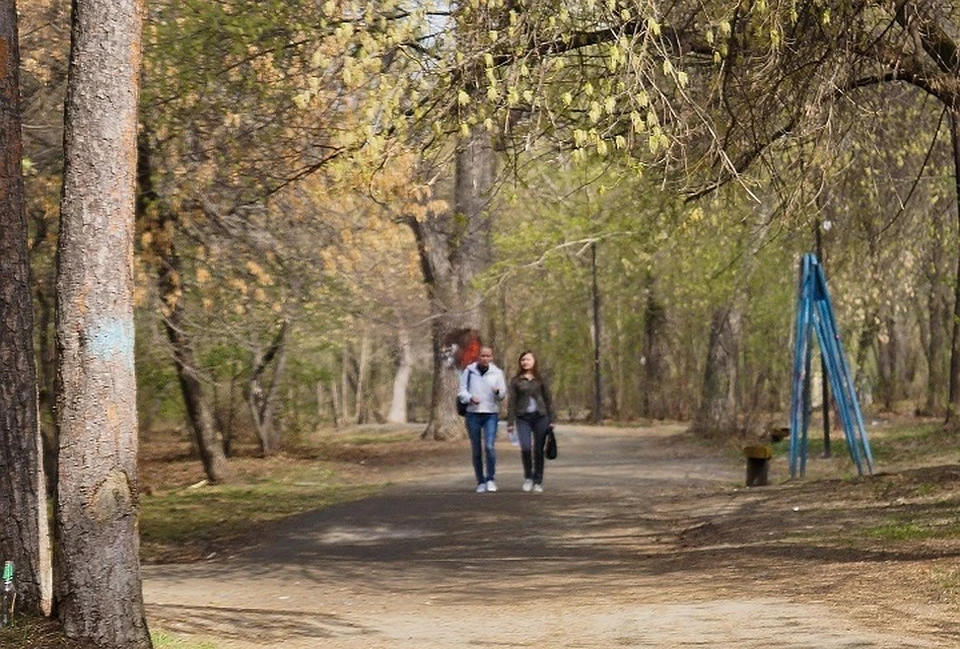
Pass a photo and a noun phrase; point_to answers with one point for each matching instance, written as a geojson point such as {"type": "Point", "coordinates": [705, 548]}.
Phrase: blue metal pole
{"type": "Point", "coordinates": [860, 431]}
{"type": "Point", "coordinates": [828, 341]}
{"type": "Point", "coordinates": [802, 334]}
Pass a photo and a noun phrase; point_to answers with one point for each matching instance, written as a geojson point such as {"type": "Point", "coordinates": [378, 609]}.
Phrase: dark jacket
{"type": "Point", "coordinates": [521, 390]}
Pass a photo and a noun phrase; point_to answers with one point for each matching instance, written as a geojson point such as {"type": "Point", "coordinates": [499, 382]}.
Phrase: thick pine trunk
{"type": "Point", "coordinates": [24, 535]}
{"type": "Point", "coordinates": [98, 588]}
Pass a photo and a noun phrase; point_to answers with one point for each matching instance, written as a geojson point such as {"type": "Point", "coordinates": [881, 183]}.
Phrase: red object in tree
{"type": "Point", "coordinates": [471, 352]}
{"type": "Point", "coordinates": [461, 347]}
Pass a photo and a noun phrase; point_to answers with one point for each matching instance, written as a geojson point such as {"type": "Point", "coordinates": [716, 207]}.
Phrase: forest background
{"type": "Point", "coordinates": [326, 191]}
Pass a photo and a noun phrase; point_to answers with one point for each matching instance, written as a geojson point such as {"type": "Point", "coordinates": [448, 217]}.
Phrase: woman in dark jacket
{"type": "Point", "coordinates": [530, 411]}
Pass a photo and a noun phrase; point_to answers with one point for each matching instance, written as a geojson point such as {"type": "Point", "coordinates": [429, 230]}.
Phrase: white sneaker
{"type": "Point", "coordinates": [491, 485]}
{"type": "Point", "coordinates": [481, 487]}
{"type": "Point", "coordinates": [538, 489]}
{"type": "Point", "coordinates": [527, 484]}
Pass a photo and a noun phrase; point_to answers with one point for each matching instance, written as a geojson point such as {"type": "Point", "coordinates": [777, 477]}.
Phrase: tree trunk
{"type": "Point", "coordinates": [890, 364]}
{"type": "Point", "coordinates": [224, 415]}
{"type": "Point", "coordinates": [363, 371]}
{"type": "Point", "coordinates": [24, 534]}
{"type": "Point", "coordinates": [444, 422]}
{"type": "Point", "coordinates": [595, 331]}
{"type": "Point", "coordinates": [621, 406]}
{"type": "Point", "coordinates": [169, 277]}
{"type": "Point", "coordinates": [318, 391]}
{"type": "Point", "coordinates": [718, 412]}
{"type": "Point", "coordinates": [336, 405]}
{"type": "Point", "coordinates": [454, 249]}
{"type": "Point", "coordinates": [934, 335]}
{"type": "Point", "coordinates": [398, 404]}
{"type": "Point", "coordinates": [209, 443]}
{"type": "Point", "coordinates": [261, 399]}
{"type": "Point", "coordinates": [953, 405]}
{"type": "Point", "coordinates": [98, 590]}
{"type": "Point", "coordinates": [345, 387]}
{"type": "Point", "coordinates": [655, 355]}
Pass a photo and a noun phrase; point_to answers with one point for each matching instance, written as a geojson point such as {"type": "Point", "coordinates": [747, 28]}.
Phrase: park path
{"type": "Point", "coordinates": [599, 560]}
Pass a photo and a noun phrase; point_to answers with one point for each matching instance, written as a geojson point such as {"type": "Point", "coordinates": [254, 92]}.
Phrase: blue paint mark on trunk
{"type": "Point", "coordinates": [111, 340]}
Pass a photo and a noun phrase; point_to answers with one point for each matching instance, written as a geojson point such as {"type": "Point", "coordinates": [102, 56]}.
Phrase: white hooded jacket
{"type": "Point", "coordinates": [490, 388]}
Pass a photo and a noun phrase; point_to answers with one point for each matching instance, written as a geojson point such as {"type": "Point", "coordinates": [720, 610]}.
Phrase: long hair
{"type": "Point", "coordinates": [535, 370]}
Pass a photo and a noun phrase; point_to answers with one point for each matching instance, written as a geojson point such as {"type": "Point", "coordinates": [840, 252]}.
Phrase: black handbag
{"type": "Point", "coordinates": [461, 406]}
{"type": "Point", "coordinates": [550, 445]}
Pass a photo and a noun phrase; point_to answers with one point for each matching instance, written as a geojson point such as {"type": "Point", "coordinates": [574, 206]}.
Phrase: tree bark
{"type": "Point", "coordinates": [24, 534]}
{"type": "Point", "coordinates": [655, 354]}
{"type": "Point", "coordinates": [363, 371]}
{"type": "Point", "coordinates": [454, 249]}
{"type": "Point", "coordinates": [933, 333]}
{"type": "Point", "coordinates": [398, 404]}
{"type": "Point", "coordinates": [953, 402]}
{"type": "Point", "coordinates": [98, 590]}
{"type": "Point", "coordinates": [345, 384]}
{"type": "Point", "coordinates": [335, 405]}
{"type": "Point", "coordinates": [890, 364]}
{"type": "Point", "coordinates": [717, 413]}
{"type": "Point", "coordinates": [224, 414]}
{"type": "Point", "coordinates": [444, 422]}
{"type": "Point", "coordinates": [595, 331]}
{"type": "Point", "coordinates": [261, 399]}
{"type": "Point", "coordinates": [202, 421]}
{"type": "Point", "coordinates": [160, 222]}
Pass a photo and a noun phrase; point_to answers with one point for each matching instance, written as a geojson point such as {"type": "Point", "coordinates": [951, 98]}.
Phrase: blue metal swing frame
{"type": "Point", "coordinates": [815, 315]}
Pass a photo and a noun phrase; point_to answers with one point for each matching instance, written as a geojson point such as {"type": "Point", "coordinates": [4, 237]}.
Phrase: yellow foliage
{"type": "Point", "coordinates": [329, 261]}
{"type": "Point", "coordinates": [594, 112]}
{"type": "Point", "coordinates": [140, 295]}
{"type": "Point", "coordinates": [263, 277]}
{"type": "Point", "coordinates": [238, 285]}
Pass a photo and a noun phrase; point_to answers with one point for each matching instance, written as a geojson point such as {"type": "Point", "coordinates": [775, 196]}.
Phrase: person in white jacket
{"type": "Point", "coordinates": [482, 388]}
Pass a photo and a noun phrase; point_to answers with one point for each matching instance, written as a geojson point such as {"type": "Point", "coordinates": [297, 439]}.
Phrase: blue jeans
{"type": "Point", "coordinates": [532, 432]}
{"type": "Point", "coordinates": [485, 424]}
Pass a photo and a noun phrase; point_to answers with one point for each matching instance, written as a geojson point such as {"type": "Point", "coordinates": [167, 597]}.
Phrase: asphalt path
{"type": "Point", "coordinates": [596, 561]}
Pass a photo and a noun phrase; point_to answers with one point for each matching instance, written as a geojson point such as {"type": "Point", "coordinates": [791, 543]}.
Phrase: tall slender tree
{"type": "Point", "coordinates": [24, 536]}
{"type": "Point", "coordinates": [98, 588]}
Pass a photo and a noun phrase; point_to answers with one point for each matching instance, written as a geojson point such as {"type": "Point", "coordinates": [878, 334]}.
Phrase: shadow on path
{"type": "Point", "coordinates": [630, 524]}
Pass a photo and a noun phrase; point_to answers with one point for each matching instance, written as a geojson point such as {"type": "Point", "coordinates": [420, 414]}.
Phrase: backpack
{"type": "Point", "coordinates": [461, 406]}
